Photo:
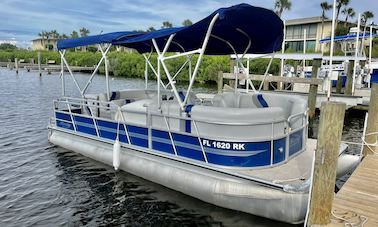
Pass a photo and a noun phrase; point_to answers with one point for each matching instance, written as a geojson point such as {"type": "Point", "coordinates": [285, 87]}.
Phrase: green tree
{"type": "Point", "coordinates": [166, 24]}
{"type": "Point", "coordinates": [7, 47]}
{"type": "Point", "coordinates": [349, 13]}
{"type": "Point", "coordinates": [187, 22]}
{"type": "Point", "coordinates": [44, 34]}
{"type": "Point", "coordinates": [281, 5]}
{"type": "Point", "coordinates": [63, 36]}
{"type": "Point", "coordinates": [325, 7]}
{"type": "Point", "coordinates": [84, 32]}
{"type": "Point", "coordinates": [74, 34]}
{"type": "Point", "coordinates": [340, 4]}
{"type": "Point", "coordinates": [151, 29]}
{"type": "Point", "coordinates": [366, 16]}
{"type": "Point", "coordinates": [54, 34]}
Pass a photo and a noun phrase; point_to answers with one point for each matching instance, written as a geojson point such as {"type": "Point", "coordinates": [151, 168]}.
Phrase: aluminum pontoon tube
{"type": "Point", "coordinates": [209, 186]}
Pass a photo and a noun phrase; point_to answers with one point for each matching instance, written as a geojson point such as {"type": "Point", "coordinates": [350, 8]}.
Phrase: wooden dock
{"type": "Point", "coordinates": [357, 201]}
{"type": "Point", "coordinates": [47, 67]}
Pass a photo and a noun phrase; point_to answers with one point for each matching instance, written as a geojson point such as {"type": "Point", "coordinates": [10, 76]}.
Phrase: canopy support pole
{"type": "Point", "coordinates": [62, 74]}
{"type": "Point", "coordinates": [370, 51]}
{"type": "Point", "coordinates": [331, 51]}
{"type": "Point", "coordinates": [199, 60]}
{"type": "Point", "coordinates": [106, 71]}
{"type": "Point", "coordinates": [304, 51]}
{"type": "Point", "coordinates": [103, 53]}
{"type": "Point", "coordinates": [152, 67]}
{"type": "Point", "coordinates": [266, 73]}
{"type": "Point", "coordinates": [145, 74]}
{"type": "Point", "coordinates": [161, 60]}
{"type": "Point", "coordinates": [282, 65]}
{"type": "Point", "coordinates": [71, 74]}
{"type": "Point", "coordinates": [356, 53]}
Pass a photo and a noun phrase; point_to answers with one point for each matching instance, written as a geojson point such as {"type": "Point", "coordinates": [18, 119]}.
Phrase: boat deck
{"type": "Point", "coordinates": [295, 171]}
{"type": "Point", "coordinates": [358, 198]}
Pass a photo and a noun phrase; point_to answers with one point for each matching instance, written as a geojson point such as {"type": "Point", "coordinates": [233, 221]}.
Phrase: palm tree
{"type": "Point", "coordinates": [63, 36]}
{"type": "Point", "coordinates": [349, 13]}
{"type": "Point", "coordinates": [44, 34]}
{"type": "Point", "coordinates": [187, 22]}
{"type": "Point", "coordinates": [282, 5]}
{"type": "Point", "coordinates": [340, 4]}
{"type": "Point", "coordinates": [325, 7]}
{"type": "Point", "coordinates": [151, 29]}
{"type": "Point", "coordinates": [54, 34]}
{"type": "Point", "coordinates": [74, 34]}
{"type": "Point", "coordinates": [365, 17]}
{"type": "Point", "coordinates": [166, 24]}
{"type": "Point", "coordinates": [84, 32]}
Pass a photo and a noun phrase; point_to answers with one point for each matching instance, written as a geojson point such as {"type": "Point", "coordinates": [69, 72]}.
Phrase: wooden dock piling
{"type": "Point", "coordinates": [313, 91]}
{"type": "Point", "coordinates": [349, 81]}
{"type": "Point", "coordinates": [326, 155]}
{"type": "Point", "coordinates": [39, 63]}
{"type": "Point", "coordinates": [372, 122]}
{"type": "Point", "coordinates": [220, 82]}
{"type": "Point", "coordinates": [16, 64]}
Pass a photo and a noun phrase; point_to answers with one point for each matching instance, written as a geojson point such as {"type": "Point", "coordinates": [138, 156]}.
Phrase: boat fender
{"type": "Point", "coordinates": [116, 154]}
{"type": "Point", "coordinates": [117, 146]}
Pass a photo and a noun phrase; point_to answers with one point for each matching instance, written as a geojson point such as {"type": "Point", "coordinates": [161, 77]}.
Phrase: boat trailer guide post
{"type": "Point", "coordinates": [242, 151]}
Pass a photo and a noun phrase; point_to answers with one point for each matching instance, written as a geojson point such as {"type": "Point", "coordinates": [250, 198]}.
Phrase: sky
{"type": "Point", "coordinates": [22, 20]}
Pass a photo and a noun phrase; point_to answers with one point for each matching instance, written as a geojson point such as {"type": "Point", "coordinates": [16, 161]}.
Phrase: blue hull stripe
{"type": "Point", "coordinates": [238, 154]}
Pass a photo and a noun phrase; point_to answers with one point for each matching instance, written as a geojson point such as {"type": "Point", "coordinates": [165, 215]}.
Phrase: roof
{"type": "Point", "coordinates": [55, 39]}
{"type": "Point", "coordinates": [310, 20]}
{"type": "Point", "coordinates": [236, 27]}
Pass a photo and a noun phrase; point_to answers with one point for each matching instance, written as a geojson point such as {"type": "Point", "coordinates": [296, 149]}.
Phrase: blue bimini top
{"type": "Point", "coordinates": [236, 24]}
{"type": "Point", "coordinates": [95, 39]}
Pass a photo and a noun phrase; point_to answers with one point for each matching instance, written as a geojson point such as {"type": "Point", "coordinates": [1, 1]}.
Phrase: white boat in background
{"type": "Point", "coordinates": [241, 151]}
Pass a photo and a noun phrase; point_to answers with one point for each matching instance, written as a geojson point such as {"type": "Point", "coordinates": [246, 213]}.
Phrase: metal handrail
{"type": "Point", "coordinates": [89, 103]}
{"type": "Point", "coordinates": [304, 114]}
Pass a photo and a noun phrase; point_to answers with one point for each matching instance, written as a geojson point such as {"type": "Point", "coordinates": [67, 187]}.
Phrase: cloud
{"type": "Point", "coordinates": [25, 19]}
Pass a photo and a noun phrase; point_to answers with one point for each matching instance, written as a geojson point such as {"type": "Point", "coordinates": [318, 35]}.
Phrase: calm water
{"type": "Point", "coordinates": [45, 185]}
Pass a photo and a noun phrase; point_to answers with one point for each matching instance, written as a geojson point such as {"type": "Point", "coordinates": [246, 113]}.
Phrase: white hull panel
{"type": "Point", "coordinates": [209, 186]}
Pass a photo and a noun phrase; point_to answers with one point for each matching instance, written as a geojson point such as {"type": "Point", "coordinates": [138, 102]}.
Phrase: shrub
{"type": "Point", "coordinates": [124, 64]}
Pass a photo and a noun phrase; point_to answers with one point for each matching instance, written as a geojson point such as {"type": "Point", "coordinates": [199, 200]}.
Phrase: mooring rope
{"type": "Point", "coordinates": [348, 221]}
{"type": "Point", "coordinates": [370, 145]}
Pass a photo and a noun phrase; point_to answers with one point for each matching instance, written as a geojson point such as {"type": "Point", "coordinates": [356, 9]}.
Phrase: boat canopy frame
{"type": "Point", "coordinates": [162, 58]}
{"type": "Point", "coordinates": [249, 39]}
{"type": "Point", "coordinates": [104, 49]}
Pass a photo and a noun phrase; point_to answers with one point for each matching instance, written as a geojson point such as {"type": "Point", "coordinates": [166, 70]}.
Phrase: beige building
{"type": "Point", "coordinates": [313, 26]}
{"type": "Point", "coordinates": [44, 44]}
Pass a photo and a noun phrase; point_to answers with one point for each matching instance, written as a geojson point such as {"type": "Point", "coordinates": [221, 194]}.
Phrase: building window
{"type": "Point", "coordinates": [297, 46]}
{"type": "Point", "coordinates": [310, 46]}
{"type": "Point", "coordinates": [289, 32]}
{"type": "Point", "coordinates": [312, 31]}
{"type": "Point", "coordinates": [297, 31]}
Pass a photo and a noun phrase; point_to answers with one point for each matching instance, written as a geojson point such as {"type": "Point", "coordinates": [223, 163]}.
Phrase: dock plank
{"type": "Point", "coordinates": [359, 195]}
